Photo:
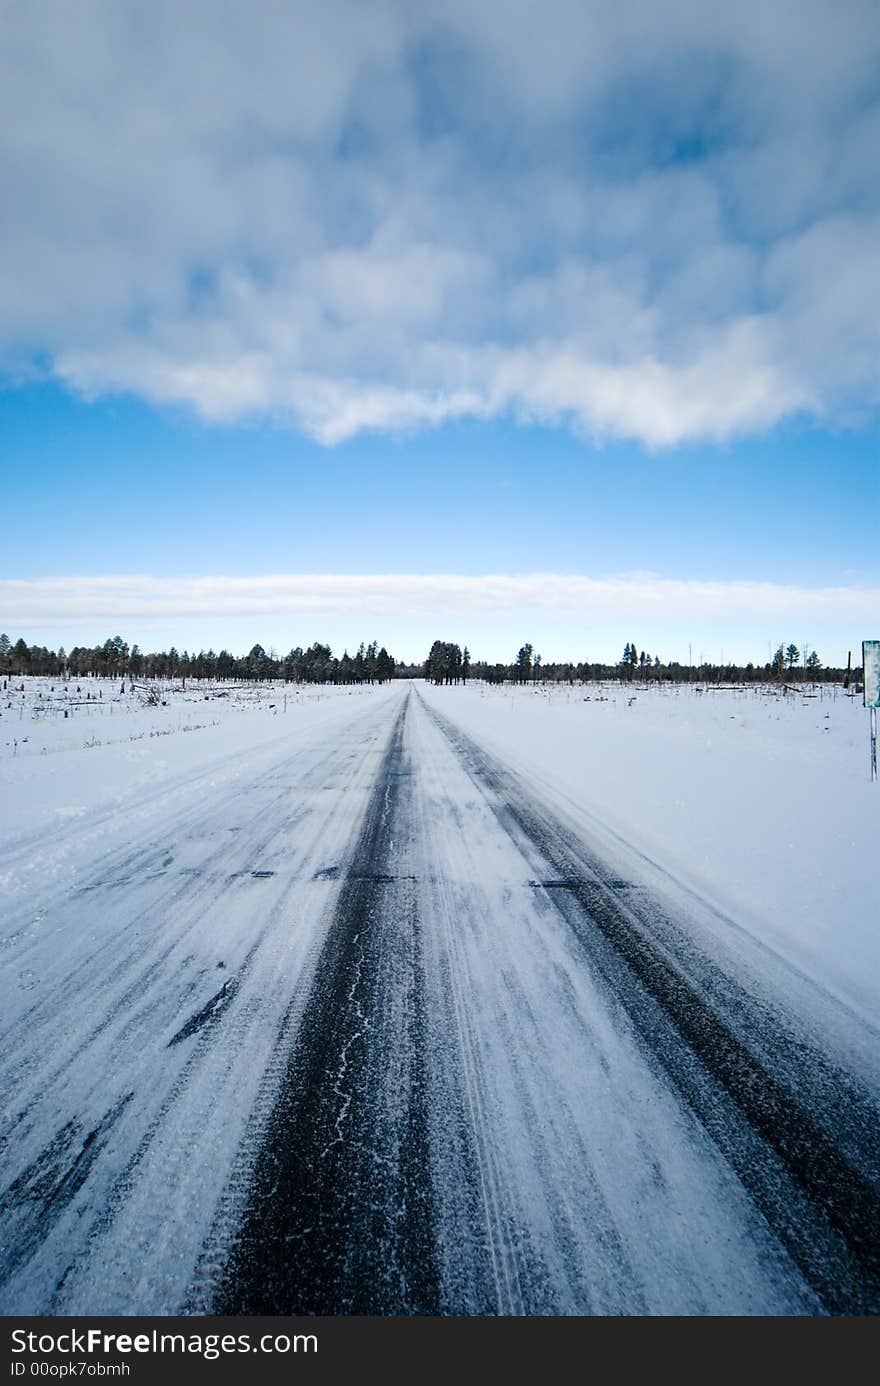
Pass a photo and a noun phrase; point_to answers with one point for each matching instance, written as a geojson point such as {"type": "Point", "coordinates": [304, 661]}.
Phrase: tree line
{"type": "Point", "coordinates": [447, 663]}
{"type": "Point", "coordinates": [117, 659]}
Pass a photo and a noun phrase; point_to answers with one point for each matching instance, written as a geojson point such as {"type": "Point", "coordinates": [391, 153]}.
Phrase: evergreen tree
{"type": "Point", "coordinates": [384, 665]}
{"type": "Point", "coordinates": [20, 658]}
{"type": "Point", "coordinates": [444, 662]}
{"type": "Point", "coordinates": [524, 663]}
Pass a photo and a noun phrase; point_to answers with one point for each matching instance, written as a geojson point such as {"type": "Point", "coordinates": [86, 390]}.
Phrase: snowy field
{"type": "Point", "coordinates": [407, 999]}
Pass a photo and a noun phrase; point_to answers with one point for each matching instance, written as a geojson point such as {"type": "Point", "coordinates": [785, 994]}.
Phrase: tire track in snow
{"type": "Point", "coordinates": [492, 1281]}
{"type": "Point", "coordinates": [110, 867]}
{"type": "Point", "coordinates": [121, 866]}
{"type": "Point", "coordinates": [139, 951]}
{"type": "Point", "coordinates": [813, 1172]}
{"type": "Point", "coordinates": [339, 1218]}
{"type": "Point", "coordinates": [25, 848]}
{"type": "Point", "coordinates": [524, 1223]}
{"type": "Point", "coordinates": [49, 1184]}
{"type": "Point", "coordinates": [208, 1058]}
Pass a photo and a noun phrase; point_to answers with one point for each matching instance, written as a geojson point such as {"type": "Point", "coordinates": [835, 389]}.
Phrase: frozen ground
{"type": "Point", "coordinates": [413, 1000]}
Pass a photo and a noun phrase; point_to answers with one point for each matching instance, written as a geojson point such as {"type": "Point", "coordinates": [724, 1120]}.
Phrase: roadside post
{"type": "Point", "coordinates": [871, 669]}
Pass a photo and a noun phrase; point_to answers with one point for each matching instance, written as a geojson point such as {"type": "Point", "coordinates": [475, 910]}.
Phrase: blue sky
{"type": "Point", "coordinates": [358, 292]}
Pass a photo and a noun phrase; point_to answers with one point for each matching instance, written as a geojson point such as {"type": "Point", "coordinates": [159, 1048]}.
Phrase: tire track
{"type": "Point", "coordinates": [206, 1052]}
{"type": "Point", "coordinates": [525, 1226]}
{"type": "Point", "coordinates": [44, 1190]}
{"type": "Point", "coordinates": [23, 848]}
{"type": "Point", "coordinates": [496, 1287]}
{"type": "Point", "coordinates": [116, 867]}
{"type": "Point", "coordinates": [339, 1219]}
{"type": "Point", "coordinates": [144, 961]}
{"type": "Point", "coordinates": [111, 869]}
{"type": "Point", "coordinates": [811, 1169]}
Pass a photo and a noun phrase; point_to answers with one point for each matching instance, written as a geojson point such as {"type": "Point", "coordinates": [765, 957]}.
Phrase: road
{"type": "Point", "coordinates": [375, 1030]}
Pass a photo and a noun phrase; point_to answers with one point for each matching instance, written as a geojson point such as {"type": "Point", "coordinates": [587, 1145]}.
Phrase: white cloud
{"type": "Point", "coordinates": [650, 222]}
{"type": "Point", "coordinates": [66, 601]}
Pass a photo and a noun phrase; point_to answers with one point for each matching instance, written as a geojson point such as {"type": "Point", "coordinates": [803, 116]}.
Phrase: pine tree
{"type": "Point", "coordinates": [524, 663]}
{"type": "Point", "coordinates": [20, 657]}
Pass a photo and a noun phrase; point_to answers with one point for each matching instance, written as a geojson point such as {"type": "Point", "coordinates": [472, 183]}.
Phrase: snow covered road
{"type": "Point", "coordinates": [372, 1027]}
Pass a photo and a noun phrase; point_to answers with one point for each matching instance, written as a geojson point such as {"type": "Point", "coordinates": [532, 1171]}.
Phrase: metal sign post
{"type": "Point", "coordinates": [871, 670]}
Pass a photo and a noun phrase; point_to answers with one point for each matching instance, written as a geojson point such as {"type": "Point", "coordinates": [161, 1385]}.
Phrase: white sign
{"type": "Point", "coordinates": [871, 665]}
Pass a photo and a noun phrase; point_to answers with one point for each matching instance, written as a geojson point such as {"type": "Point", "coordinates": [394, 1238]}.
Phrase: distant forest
{"type": "Point", "coordinates": [447, 663]}
{"type": "Point", "coordinates": [116, 659]}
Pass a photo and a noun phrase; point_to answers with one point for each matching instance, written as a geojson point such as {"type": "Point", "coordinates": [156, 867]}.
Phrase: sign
{"type": "Point", "coordinates": [871, 684]}
{"type": "Point", "coordinates": [871, 666]}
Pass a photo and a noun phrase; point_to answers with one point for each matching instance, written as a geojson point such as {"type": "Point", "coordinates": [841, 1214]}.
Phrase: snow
{"type": "Point", "coordinates": [133, 742]}
{"type": "Point", "coordinates": [119, 927]}
{"type": "Point", "coordinates": [601, 1191]}
{"type": "Point", "coordinates": [116, 759]}
{"type": "Point", "coordinates": [758, 801]}
{"type": "Point", "coordinates": [168, 873]}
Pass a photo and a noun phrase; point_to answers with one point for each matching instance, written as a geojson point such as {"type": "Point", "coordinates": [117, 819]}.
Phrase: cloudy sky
{"type": "Point", "coordinates": [556, 322]}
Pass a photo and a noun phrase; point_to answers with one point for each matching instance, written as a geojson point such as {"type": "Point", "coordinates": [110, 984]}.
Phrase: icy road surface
{"type": "Point", "coordinates": [371, 1027]}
